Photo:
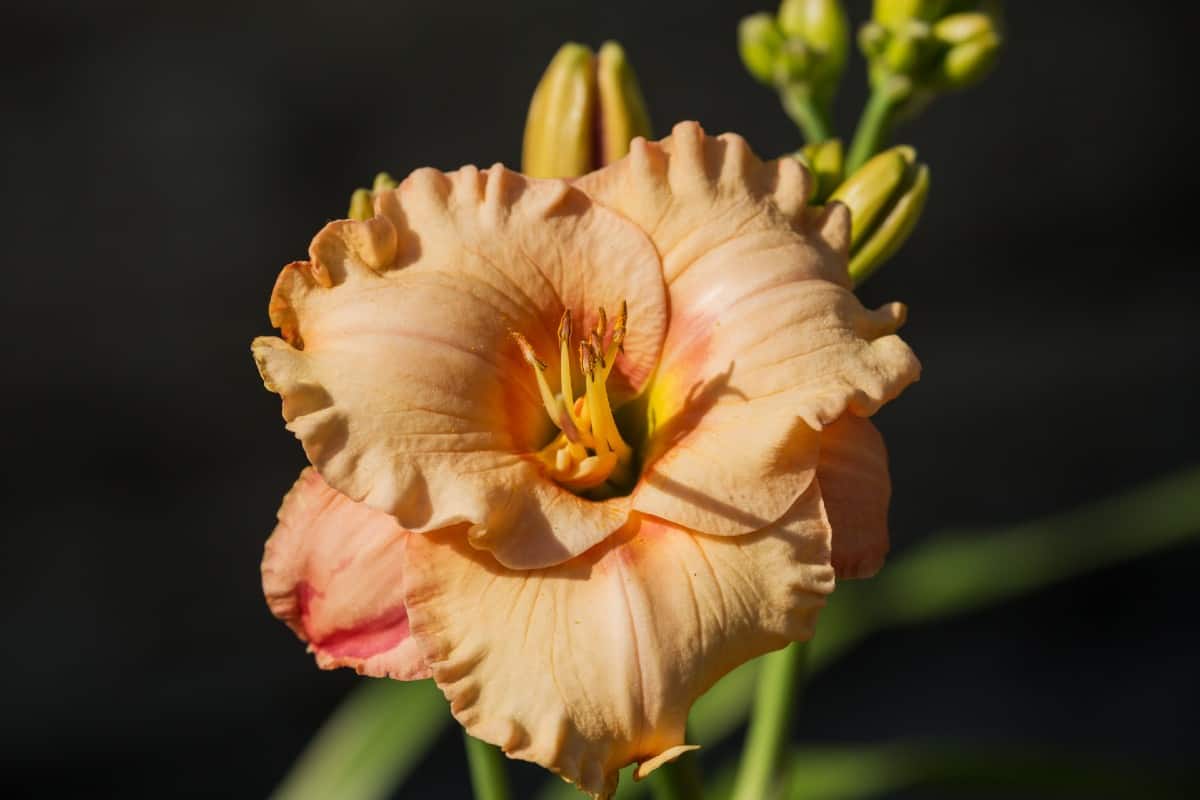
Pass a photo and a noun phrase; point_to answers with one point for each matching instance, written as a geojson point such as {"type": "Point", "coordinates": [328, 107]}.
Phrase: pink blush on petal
{"type": "Point", "coordinates": [362, 641]}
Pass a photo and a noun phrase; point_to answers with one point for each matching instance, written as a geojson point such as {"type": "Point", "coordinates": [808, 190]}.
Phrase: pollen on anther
{"type": "Point", "coordinates": [527, 351]}
{"type": "Point", "coordinates": [564, 327]}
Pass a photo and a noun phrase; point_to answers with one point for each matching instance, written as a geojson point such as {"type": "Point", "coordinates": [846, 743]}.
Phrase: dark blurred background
{"type": "Point", "coordinates": [161, 162]}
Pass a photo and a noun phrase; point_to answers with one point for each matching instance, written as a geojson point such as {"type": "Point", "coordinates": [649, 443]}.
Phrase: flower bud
{"type": "Point", "coordinates": [974, 44]}
{"type": "Point", "coordinates": [824, 163]}
{"type": "Point", "coordinates": [894, 14]}
{"type": "Point", "coordinates": [822, 26]}
{"type": "Point", "coordinates": [759, 44]}
{"type": "Point", "coordinates": [885, 197]}
{"type": "Point", "coordinates": [362, 206]}
{"type": "Point", "coordinates": [362, 201]}
{"type": "Point", "coordinates": [558, 129]}
{"type": "Point", "coordinates": [578, 96]}
{"type": "Point", "coordinates": [623, 113]}
{"type": "Point", "coordinates": [937, 51]}
{"type": "Point", "coordinates": [794, 62]}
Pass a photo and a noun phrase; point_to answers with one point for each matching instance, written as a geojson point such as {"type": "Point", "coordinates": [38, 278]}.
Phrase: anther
{"type": "Point", "coordinates": [528, 351]}
{"type": "Point", "coordinates": [596, 344]}
{"type": "Point", "coordinates": [585, 360]}
{"type": "Point", "coordinates": [564, 328]}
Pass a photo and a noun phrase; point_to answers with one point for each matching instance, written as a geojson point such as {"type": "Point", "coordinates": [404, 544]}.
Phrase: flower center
{"type": "Point", "coordinates": [588, 450]}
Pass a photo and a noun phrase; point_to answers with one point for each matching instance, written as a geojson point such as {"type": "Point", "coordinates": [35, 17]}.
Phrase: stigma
{"type": "Point", "coordinates": [588, 450]}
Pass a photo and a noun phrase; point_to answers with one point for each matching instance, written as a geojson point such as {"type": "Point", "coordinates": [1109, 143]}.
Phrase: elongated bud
{"type": "Point", "coordinates": [960, 28]}
{"type": "Point", "coordinates": [623, 114]}
{"type": "Point", "coordinates": [974, 45]}
{"type": "Point", "coordinates": [759, 44]}
{"type": "Point", "coordinates": [893, 14]}
{"type": "Point", "coordinates": [585, 111]}
{"type": "Point", "coordinates": [822, 26]}
{"type": "Point", "coordinates": [362, 206]}
{"type": "Point", "coordinates": [383, 182]}
{"type": "Point", "coordinates": [885, 198]}
{"type": "Point", "coordinates": [362, 201]}
{"type": "Point", "coordinates": [824, 161]}
{"type": "Point", "coordinates": [558, 129]}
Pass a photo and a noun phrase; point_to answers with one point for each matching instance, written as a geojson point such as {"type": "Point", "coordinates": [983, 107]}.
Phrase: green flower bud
{"type": "Point", "coordinates": [885, 198]}
{"type": "Point", "coordinates": [873, 39]}
{"type": "Point", "coordinates": [759, 44]}
{"type": "Point", "coordinates": [959, 28]}
{"type": "Point", "coordinates": [558, 129]}
{"type": "Point", "coordinates": [578, 96]}
{"type": "Point", "coordinates": [974, 45]}
{"type": "Point", "coordinates": [894, 14]}
{"type": "Point", "coordinates": [824, 163]}
{"type": "Point", "coordinates": [794, 63]}
{"type": "Point", "coordinates": [623, 114]}
{"type": "Point", "coordinates": [969, 63]}
{"type": "Point", "coordinates": [907, 48]}
{"type": "Point", "coordinates": [362, 201]}
{"type": "Point", "coordinates": [822, 26]}
{"type": "Point", "coordinates": [383, 182]}
{"type": "Point", "coordinates": [362, 206]}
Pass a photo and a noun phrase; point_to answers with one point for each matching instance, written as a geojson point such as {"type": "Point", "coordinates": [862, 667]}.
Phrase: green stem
{"type": "Point", "coordinates": [875, 124]}
{"type": "Point", "coordinates": [778, 687]}
{"type": "Point", "coordinates": [798, 104]}
{"type": "Point", "coordinates": [486, 764]}
{"type": "Point", "coordinates": [679, 780]}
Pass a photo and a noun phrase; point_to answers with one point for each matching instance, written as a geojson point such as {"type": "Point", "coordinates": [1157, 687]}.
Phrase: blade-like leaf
{"type": "Point", "coordinates": [855, 773]}
{"type": "Point", "coordinates": [370, 744]}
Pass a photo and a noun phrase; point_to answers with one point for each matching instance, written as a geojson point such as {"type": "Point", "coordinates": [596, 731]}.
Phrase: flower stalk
{"type": "Point", "coordinates": [799, 105]}
{"type": "Point", "coordinates": [679, 780]}
{"type": "Point", "coordinates": [875, 124]}
{"type": "Point", "coordinates": [486, 765]}
{"type": "Point", "coordinates": [778, 689]}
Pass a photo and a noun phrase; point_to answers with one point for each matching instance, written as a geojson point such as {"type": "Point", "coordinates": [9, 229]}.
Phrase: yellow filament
{"type": "Point", "coordinates": [589, 449]}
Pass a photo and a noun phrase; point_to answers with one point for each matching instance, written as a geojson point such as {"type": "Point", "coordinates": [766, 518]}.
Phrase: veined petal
{"type": "Point", "coordinates": [400, 376]}
{"type": "Point", "coordinates": [333, 570]}
{"type": "Point", "coordinates": [766, 344]}
{"type": "Point", "coordinates": [593, 664]}
{"type": "Point", "coordinates": [856, 489]}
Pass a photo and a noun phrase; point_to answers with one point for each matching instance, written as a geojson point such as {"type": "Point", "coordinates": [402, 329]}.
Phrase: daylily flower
{"type": "Point", "coordinates": [580, 448]}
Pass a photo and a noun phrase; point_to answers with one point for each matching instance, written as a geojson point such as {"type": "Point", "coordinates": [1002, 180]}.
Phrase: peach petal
{"type": "Point", "coordinates": [400, 377]}
{"type": "Point", "coordinates": [594, 663]}
{"type": "Point", "coordinates": [766, 343]}
{"type": "Point", "coordinates": [856, 489]}
{"type": "Point", "coordinates": [333, 570]}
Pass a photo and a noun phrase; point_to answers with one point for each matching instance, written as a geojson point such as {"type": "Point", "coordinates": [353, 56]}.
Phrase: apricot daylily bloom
{"type": "Point", "coordinates": [580, 448]}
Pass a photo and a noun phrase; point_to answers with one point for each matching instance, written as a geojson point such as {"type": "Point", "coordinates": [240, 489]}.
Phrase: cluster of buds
{"type": "Point", "coordinates": [585, 111]}
{"type": "Point", "coordinates": [362, 202]}
{"type": "Point", "coordinates": [885, 197]}
{"type": "Point", "coordinates": [918, 48]}
{"type": "Point", "coordinates": [803, 46]}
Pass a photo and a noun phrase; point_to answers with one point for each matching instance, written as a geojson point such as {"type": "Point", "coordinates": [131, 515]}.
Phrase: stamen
{"type": "Point", "coordinates": [564, 364]}
{"type": "Point", "coordinates": [590, 451]}
{"type": "Point", "coordinates": [597, 345]}
{"type": "Point", "coordinates": [549, 401]}
{"type": "Point", "coordinates": [596, 415]}
{"type": "Point", "coordinates": [617, 343]}
{"type": "Point", "coordinates": [574, 429]}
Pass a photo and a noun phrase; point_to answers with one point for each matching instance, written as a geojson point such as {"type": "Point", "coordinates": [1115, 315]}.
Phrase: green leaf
{"type": "Point", "coordinates": [956, 573]}
{"type": "Point", "coordinates": [370, 744]}
{"type": "Point", "coordinates": [489, 777]}
{"type": "Point", "coordinates": [852, 773]}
